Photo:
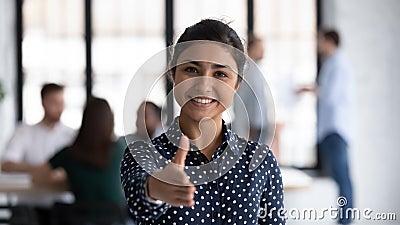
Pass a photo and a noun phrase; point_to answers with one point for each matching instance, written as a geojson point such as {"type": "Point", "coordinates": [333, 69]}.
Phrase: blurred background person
{"type": "Point", "coordinates": [335, 112]}
{"type": "Point", "coordinates": [32, 145]}
{"type": "Point", "coordinates": [148, 122]}
{"type": "Point", "coordinates": [92, 161]}
{"type": "Point", "coordinates": [251, 94]}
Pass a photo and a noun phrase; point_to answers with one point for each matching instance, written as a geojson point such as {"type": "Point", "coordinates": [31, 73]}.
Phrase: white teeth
{"type": "Point", "coordinates": [203, 100]}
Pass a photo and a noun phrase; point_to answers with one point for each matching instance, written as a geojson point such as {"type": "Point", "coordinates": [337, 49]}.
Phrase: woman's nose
{"type": "Point", "coordinates": [204, 83]}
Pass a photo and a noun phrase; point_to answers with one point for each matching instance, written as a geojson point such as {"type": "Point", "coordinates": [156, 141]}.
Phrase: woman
{"type": "Point", "coordinates": [92, 162]}
{"type": "Point", "coordinates": [223, 179]}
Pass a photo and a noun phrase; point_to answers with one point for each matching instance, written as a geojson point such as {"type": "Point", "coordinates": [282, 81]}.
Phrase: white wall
{"type": "Point", "coordinates": [371, 33]}
{"type": "Point", "coordinates": [7, 70]}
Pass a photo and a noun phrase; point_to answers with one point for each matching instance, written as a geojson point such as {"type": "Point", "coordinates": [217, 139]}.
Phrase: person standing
{"type": "Point", "coordinates": [335, 113]}
{"type": "Point", "coordinates": [33, 145]}
{"type": "Point", "coordinates": [251, 97]}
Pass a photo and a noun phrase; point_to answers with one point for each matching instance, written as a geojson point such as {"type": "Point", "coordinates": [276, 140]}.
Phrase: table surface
{"type": "Point", "coordinates": [294, 179]}
{"type": "Point", "coordinates": [21, 183]}
{"type": "Point", "coordinates": [17, 188]}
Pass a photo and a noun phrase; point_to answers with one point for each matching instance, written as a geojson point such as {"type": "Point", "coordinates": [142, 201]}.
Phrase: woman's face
{"type": "Point", "coordinates": [205, 81]}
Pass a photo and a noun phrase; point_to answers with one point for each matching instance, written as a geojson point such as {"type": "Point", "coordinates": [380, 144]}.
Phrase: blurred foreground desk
{"type": "Point", "coordinates": [294, 179]}
{"type": "Point", "coordinates": [17, 188]}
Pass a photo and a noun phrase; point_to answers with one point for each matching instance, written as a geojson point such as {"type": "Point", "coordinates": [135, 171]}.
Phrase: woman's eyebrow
{"type": "Point", "coordinates": [214, 65]}
{"type": "Point", "coordinates": [191, 62]}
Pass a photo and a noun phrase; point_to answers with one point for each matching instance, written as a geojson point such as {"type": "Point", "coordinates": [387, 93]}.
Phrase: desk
{"type": "Point", "coordinates": [294, 179]}
{"type": "Point", "coordinates": [18, 188]}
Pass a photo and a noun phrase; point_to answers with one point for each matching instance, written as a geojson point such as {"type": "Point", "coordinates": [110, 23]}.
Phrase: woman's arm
{"type": "Point", "coordinates": [133, 179]}
{"type": "Point", "coordinates": [9, 166]}
{"type": "Point", "coordinates": [44, 175]}
{"type": "Point", "coordinates": [149, 196]}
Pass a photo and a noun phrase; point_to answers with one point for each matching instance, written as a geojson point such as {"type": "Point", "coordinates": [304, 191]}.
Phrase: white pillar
{"type": "Point", "coordinates": [7, 70]}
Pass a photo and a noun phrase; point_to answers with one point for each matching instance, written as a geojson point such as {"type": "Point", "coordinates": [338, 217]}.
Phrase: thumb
{"type": "Point", "coordinates": [181, 153]}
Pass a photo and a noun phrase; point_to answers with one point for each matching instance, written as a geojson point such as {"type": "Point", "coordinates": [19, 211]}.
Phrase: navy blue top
{"type": "Point", "coordinates": [241, 184]}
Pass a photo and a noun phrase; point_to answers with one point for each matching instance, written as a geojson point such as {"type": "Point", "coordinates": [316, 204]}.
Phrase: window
{"type": "Point", "coordinates": [125, 34]}
{"type": "Point", "coordinates": [53, 51]}
{"type": "Point", "coordinates": [128, 32]}
{"type": "Point", "coordinates": [189, 12]}
{"type": "Point", "coordinates": [288, 28]}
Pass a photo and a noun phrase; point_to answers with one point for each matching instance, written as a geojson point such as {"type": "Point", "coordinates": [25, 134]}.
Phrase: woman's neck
{"type": "Point", "coordinates": [205, 134]}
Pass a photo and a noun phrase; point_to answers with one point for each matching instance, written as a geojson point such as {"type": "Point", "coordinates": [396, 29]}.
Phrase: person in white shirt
{"type": "Point", "coordinates": [335, 111]}
{"type": "Point", "coordinates": [32, 145]}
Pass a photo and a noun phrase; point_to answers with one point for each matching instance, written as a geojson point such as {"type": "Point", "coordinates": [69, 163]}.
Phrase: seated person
{"type": "Point", "coordinates": [148, 123]}
{"type": "Point", "coordinates": [92, 162]}
{"type": "Point", "coordinates": [33, 145]}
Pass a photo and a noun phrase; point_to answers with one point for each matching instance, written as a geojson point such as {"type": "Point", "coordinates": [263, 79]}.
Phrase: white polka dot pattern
{"type": "Point", "coordinates": [235, 196]}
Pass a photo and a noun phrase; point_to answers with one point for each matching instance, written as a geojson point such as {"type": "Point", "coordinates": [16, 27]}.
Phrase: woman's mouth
{"type": "Point", "coordinates": [202, 101]}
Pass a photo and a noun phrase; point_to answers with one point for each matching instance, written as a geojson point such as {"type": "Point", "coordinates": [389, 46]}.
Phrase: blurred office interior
{"type": "Point", "coordinates": [94, 47]}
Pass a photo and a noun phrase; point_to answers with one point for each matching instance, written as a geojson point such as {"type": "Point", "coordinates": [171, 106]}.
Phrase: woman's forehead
{"type": "Point", "coordinates": [213, 53]}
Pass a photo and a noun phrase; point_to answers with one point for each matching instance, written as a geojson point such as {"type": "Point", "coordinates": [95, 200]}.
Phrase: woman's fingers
{"type": "Point", "coordinates": [185, 190]}
{"type": "Point", "coordinates": [181, 202]}
{"type": "Point", "coordinates": [175, 195]}
{"type": "Point", "coordinates": [185, 198]}
{"type": "Point", "coordinates": [172, 184]}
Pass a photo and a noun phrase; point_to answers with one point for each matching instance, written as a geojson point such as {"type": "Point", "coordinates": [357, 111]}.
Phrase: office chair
{"type": "Point", "coordinates": [88, 213]}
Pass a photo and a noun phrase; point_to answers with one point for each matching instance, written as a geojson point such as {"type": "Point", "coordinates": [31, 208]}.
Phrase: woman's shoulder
{"type": "Point", "coordinates": [148, 154]}
{"type": "Point", "coordinates": [146, 148]}
{"type": "Point", "coordinates": [139, 144]}
{"type": "Point", "coordinates": [258, 153]}
{"type": "Point", "coordinates": [252, 147]}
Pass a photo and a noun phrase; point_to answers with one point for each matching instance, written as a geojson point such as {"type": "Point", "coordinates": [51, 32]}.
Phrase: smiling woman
{"type": "Point", "coordinates": [206, 85]}
{"type": "Point", "coordinates": [199, 171]}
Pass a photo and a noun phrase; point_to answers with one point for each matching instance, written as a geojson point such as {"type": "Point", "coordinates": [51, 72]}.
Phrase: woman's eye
{"type": "Point", "coordinates": [191, 69]}
{"type": "Point", "coordinates": [221, 74]}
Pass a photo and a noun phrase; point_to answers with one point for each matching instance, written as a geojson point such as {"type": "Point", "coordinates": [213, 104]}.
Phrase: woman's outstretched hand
{"type": "Point", "coordinates": [172, 184]}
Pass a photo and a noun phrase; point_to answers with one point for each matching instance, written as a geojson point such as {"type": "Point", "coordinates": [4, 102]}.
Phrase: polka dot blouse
{"type": "Point", "coordinates": [241, 184]}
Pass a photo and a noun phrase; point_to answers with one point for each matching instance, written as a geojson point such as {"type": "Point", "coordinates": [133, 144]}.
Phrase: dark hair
{"type": "Point", "coordinates": [154, 107]}
{"type": "Point", "coordinates": [93, 144]}
{"type": "Point", "coordinates": [213, 30]}
{"type": "Point", "coordinates": [332, 35]}
{"type": "Point", "coordinates": [50, 88]}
